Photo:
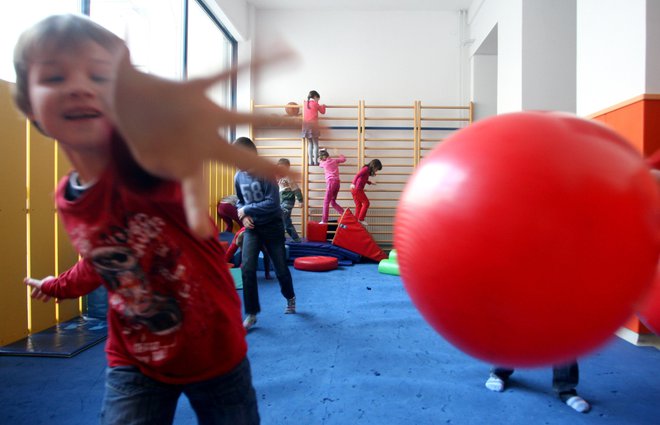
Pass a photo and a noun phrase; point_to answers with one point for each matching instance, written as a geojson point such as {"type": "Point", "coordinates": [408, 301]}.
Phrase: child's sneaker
{"type": "Point", "coordinates": [578, 404]}
{"type": "Point", "coordinates": [495, 383]}
{"type": "Point", "coordinates": [249, 321]}
{"type": "Point", "coordinates": [290, 306]}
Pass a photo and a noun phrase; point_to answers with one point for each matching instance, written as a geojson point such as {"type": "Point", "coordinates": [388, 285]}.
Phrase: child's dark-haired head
{"type": "Point", "coordinates": [374, 165]}
{"type": "Point", "coordinates": [55, 33]}
{"type": "Point", "coordinates": [245, 143]}
{"type": "Point", "coordinates": [323, 154]}
{"type": "Point", "coordinates": [284, 161]}
{"type": "Point", "coordinates": [313, 95]}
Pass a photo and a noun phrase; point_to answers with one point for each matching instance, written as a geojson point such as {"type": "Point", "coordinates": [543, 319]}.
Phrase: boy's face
{"type": "Point", "coordinates": [67, 89]}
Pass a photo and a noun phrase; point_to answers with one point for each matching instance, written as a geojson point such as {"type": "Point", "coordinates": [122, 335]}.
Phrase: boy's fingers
{"type": "Point", "coordinates": [195, 203]}
{"type": "Point", "coordinates": [244, 159]}
{"type": "Point", "coordinates": [278, 54]}
{"type": "Point", "coordinates": [293, 174]}
{"type": "Point", "coordinates": [121, 64]}
{"type": "Point", "coordinates": [155, 132]}
{"type": "Point", "coordinates": [173, 125]}
{"type": "Point", "coordinates": [38, 295]}
{"type": "Point", "coordinates": [262, 120]}
{"type": "Point", "coordinates": [37, 282]}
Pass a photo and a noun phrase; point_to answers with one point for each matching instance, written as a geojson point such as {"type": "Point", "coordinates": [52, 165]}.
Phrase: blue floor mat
{"type": "Point", "coordinates": [357, 352]}
{"type": "Point", "coordinates": [63, 340]}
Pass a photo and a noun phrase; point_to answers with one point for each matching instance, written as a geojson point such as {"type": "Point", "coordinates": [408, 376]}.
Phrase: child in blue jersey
{"type": "Point", "coordinates": [260, 212]}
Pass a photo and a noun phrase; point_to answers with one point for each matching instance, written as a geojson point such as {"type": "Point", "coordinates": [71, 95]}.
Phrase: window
{"type": "Point", "coordinates": [23, 14]}
{"type": "Point", "coordinates": [209, 51]}
{"type": "Point", "coordinates": [153, 30]}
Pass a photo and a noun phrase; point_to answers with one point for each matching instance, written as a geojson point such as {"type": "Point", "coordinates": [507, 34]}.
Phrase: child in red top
{"type": "Point", "coordinates": [357, 188]}
{"type": "Point", "coordinates": [227, 212]}
{"type": "Point", "coordinates": [311, 132]}
{"type": "Point", "coordinates": [174, 316]}
{"type": "Point", "coordinates": [236, 243]}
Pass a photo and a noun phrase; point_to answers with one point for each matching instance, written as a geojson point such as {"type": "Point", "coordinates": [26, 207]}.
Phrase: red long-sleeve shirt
{"type": "Point", "coordinates": [173, 309]}
{"type": "Point", "coordinates": [361, 179]}
{"type": "Point", "coordinates": [233, 247]}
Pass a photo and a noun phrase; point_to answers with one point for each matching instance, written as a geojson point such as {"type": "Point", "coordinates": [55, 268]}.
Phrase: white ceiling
{"type": "Point", "coordinates": [450, 5]}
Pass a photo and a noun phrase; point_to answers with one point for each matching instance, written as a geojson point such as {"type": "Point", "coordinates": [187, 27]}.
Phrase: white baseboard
{"type": "Point", "coordinates": [632, 337]}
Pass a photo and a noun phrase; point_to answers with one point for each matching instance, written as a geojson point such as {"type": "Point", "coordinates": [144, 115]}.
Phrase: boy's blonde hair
{"type": "Point", "coordinates": [56, 32]}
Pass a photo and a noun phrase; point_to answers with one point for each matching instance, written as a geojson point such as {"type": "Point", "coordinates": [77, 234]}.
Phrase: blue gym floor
{"type": "Point", "coordinates": [357, 352]}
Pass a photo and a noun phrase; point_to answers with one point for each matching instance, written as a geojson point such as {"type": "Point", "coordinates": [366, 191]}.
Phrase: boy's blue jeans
{"type": "Point", "coordinates": [131, 398]}
{"type": "Point", "coordinates": [271, 235]}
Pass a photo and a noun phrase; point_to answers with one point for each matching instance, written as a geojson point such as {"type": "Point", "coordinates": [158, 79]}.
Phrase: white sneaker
{"type": "Point", "coordinates": [494, 383]}
{"type": "Point", "coordinates": [364, 223]}
{"type": "Point", "coordinates": [578, 404]}
{"type": "Point", "coordinates": [249, 321]}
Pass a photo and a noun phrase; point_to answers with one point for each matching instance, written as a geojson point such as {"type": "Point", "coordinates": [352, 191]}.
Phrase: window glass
{"type": "Point", "coordinates": [21, 15]}
{"type": "Point", "coordinates": [209, 51]}
{"type": "Point", "coordinates": [153, 30]}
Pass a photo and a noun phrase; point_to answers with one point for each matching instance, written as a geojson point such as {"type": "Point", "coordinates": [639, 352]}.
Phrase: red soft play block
{"type": "Point", "coordinates": [353, 236]}
{"type": "Point", "coordinates": [318, 263]}
{"type": "Point", "coordinates": [317, 232]}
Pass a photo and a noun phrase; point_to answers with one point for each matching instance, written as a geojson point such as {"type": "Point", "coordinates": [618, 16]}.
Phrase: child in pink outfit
{"type": "Point", "coordinates": [311, 132]}
{"type": "Point", "coordinates": [331, 167]}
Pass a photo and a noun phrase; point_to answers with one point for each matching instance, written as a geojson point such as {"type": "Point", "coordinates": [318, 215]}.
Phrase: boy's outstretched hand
{"type": "Point", "coordinates": [35, 284]}
{"type": "Point", "coordinates": [172, 127]}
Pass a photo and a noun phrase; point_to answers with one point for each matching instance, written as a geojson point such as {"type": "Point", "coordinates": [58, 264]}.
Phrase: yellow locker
{"type": "Point", "coordinates": [41, 238]}
{"type": "Point", "coordinates": [13, 294]}
{"type": "Point", "coordinates": [66, 255]}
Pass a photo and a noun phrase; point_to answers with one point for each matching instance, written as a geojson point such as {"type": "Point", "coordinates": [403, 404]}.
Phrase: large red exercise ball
{"type": "Point", "coordinates": [527, 239]}
{"type": "Point", "coordinates": [650, 311]}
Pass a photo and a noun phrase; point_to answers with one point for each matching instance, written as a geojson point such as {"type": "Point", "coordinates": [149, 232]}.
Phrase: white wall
{"type": "Point", "coordinates": [549, 55]}
{"type": "Point", "coordinates": [484, 86]}
{"type": "Point", "coordinates": [611, 51]}
{"type": "Point", "coordinates": [536, 51]}
{"type": "Point", "coordinates": [483, 16]}
{"type": "Point", "coordinates": [234, 15]}
{"type": "Point", "coordinates": [653, 46]}
{"type": "Point", "coordinates": [385, 57]}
